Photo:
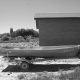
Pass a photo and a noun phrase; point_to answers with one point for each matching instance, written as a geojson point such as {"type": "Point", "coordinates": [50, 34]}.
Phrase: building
{"type": "Point", "coordinates": [58, 28]}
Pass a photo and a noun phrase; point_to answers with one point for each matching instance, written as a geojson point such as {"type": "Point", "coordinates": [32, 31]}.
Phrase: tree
{"type": "Point", "coordinates": [11, 31]}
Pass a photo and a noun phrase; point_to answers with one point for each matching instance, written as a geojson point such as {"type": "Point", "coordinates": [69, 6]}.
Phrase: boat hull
{"type": "Point", "coordinates": [45, 51]}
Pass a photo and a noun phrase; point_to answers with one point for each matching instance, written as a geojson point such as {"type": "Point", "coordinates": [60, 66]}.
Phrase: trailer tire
{"type": "Point", "coordinates": [24, 65]}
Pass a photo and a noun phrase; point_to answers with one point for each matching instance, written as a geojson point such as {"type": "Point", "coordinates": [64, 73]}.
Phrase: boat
{"type": "Point", "coordinates": [42, 51]}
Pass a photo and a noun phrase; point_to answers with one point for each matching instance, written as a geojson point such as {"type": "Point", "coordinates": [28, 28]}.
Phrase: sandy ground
{"type": "Point", "coordinates": [14, 75]}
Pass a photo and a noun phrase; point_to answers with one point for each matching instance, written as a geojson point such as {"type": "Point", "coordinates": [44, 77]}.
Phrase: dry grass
{"type": "Point", "coordinates": [22, 44]}
{"type": "Point", "coordinates": [74, 75]}
{"type": "Point", "coordinates": [30, 44]}
{"type": "Point", "coordinates": [71, 76]}
{"type": "Point", "coordinates": [38, 76]}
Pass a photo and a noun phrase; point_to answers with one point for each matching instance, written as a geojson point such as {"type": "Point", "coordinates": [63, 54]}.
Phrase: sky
{"type": "Point", "coordinates": [19, 14]}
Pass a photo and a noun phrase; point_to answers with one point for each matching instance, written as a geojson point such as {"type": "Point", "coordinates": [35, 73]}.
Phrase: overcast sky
{"type": "Point", "coordinates": [20, 13]}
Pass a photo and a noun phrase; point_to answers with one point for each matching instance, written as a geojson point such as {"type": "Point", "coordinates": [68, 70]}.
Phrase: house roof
{"type": "Point", "coordinates": [56, 15]}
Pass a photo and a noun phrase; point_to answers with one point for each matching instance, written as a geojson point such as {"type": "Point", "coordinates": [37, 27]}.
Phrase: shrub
{"type": "Point", "coordinates": [28, 38]}
{"type": "Point", "coordinates": [5, 38]}
{"type": "Point", "coordinates": [20, 39]}
{"type": "Point", "coordinates": [14, 34]}
{"type": "Point", "coordinates": [24, 32]}
{"type": "Point", "coordinates": [32, 32]}
{"type": "Point", "coordinates": [19, 35]}
{"type": "Point", "coordinates": [4, 34]}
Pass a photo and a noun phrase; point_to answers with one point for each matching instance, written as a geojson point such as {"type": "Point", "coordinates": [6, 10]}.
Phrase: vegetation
{"type": "Point", "coordinates": [20, 35]}
{"type": "Point", "coordinates": [24, 32]}
{"type": "Point", "coordinates": [5, 37]}
{"type": "Point", "coordinates": [75, 75]}
{"type": "Point", "coordinates": [11, 31]}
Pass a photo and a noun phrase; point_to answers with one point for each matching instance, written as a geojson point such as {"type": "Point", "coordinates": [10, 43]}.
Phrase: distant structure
{"type": "Point", "coordinates": [58, 28]}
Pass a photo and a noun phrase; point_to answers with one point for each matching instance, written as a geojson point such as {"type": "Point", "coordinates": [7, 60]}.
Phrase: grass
{"type": "Point", "coordinates": [75, 75]}
{"type": "Point", "coordinates": [37, 76]}
{"type": "Point", "coordinates": [71, 76]}
{"type": "Point", "coordinates": [32, 43]}
{"type": "Point", "coordinates": [20, 44]}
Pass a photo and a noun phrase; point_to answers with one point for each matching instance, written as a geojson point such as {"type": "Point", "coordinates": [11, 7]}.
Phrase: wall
{"type": "Point", "coordinates": [58, 31]}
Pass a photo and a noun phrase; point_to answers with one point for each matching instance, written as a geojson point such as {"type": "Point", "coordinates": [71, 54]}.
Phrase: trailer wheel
{"type": "Point", "coordinates": [24, 65]}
